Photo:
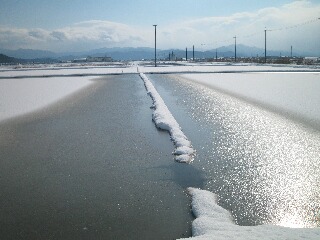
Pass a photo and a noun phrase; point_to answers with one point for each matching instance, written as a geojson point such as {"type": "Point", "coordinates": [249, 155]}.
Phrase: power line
{"type": "Point", "coordinates": [294, 26]}
{"type": "Point", "coordinates": [284, 28]}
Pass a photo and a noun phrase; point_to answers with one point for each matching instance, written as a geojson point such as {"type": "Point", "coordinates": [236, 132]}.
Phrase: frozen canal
{"type": "Point", "coordinates": [94, 166]}
{"type": "Point", "coordinates": [264, 166]}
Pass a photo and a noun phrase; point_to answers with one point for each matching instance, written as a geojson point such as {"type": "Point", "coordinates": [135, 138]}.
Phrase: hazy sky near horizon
{"type": "Point", "coordinates": [77, 25]}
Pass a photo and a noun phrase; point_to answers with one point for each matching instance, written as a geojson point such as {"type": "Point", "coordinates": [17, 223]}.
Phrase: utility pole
{"type": "Point", "coordinates": [291, 51]}
{"type": "Point", "coordinates": [193, 52]}
{"type": "Point", "coordinates": [155, 45]}
{"type": "Point", "coordinates": [186, 54]}
{"type": "Point", "coordinates": [265, 46]}
{"type": "Point", "coordinates": [216, 55]}
{"type": "Point", "coordinates": [235, 48]}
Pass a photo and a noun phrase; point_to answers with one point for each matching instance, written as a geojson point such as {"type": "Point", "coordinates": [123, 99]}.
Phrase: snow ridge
{"type": "Point", "coordinates": [164, 120]}
{"type": "Point", "coordinates": [215, 222]}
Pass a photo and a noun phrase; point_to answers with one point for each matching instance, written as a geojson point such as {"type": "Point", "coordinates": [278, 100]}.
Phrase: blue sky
{"type": "Point", "coordinates": [52, 14]}
{"type": "Point", "coordinates": [77, 25]}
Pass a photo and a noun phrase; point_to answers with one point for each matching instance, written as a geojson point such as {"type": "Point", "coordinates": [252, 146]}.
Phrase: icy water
{"type": "Point", "coordinates": [93, 166]}
{"type": "Point", "coordinates": [264, 167]}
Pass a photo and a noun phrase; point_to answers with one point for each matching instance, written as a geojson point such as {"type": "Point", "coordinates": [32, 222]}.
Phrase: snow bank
{"type": "Point", "coordinates": [184, 67]}
{"type": "Point", "coordinates": [215, 222]}
{"type": "Point", "coordinates": [116, 68]}
{"type": "Point", "coordinates": [164, 120]}
{"type": "Point", "coordinates": [20, 96]}
{"type": "Point", "coordinates": [280, 91]}
{"type": "Point", "coordinates": [60, 72]}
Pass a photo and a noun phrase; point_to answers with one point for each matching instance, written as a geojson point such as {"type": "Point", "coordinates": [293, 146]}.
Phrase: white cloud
{"type": "Point", "coordinates": [211, 31]}
{"type": "Point", "coordinates": [249, 29]}
{"type": "Point", "coordinates": [91, 33]}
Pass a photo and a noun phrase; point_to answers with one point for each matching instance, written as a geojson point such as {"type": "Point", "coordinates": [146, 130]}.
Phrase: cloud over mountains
{"type": "Point", "coordinates": [92, 33]}
{"type": "Point", "coordinates": [294, 24]}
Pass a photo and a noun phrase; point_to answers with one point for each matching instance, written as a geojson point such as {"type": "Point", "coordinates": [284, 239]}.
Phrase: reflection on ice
{"type": "Point", "coordinates": [264, 167]}
{"type": "Point", "coordinates": [292, 221]}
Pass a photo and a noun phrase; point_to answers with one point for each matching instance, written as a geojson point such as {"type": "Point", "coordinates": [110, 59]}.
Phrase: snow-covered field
{"type": "Point", "coordinates": [24, 95]}
{"type": "Point", "coordinates": [26, 90]}
{"type": "Point", "coordinates": [79, 70]}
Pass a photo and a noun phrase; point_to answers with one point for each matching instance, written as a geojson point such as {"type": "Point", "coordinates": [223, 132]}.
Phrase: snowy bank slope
{"type": "Point", "coordinates": [296, 94]}
{"type": "Point", "coordinates": [225, 68]}
{"type": "Point", "coordinates": [20, 96]}
{"type": "Point", "coordinates": [164, 120]}
{"type": "Point", "coordinates": [215, 222]}
{"type": "Point", "coordinates": [60, 72]}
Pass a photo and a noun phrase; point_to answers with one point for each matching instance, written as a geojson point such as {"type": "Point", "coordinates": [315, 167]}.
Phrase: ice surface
{"type": "Point", "coordinates": [20, 96]}
{"type": "Point", "coordinates": [296, 94]}
{"type": "Point", "coordinates": [215, 222]}
{"type": "Point", "coordinates": [164, 120]}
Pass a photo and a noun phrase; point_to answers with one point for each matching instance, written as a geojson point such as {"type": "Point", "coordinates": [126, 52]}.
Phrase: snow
{"type": "Point", "coordinates": [59, 72]}
{"type": "Point", "coordinates": [203, 67]}
{"type": "Point", "coordinates": [20, 96]}
{"type": "Point", "coordinates": [165, 121]}
{"type": "Point", "coordinates": [279, 91]}
{"type": "Point", "coordinates": [215, 222]}
{"type": "Point", "coordinates": [118, 68]}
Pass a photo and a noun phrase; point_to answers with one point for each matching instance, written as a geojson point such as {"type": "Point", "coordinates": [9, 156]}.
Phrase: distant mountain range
{"type": "Point", "coordinates": [6, 59]}
{"type": "Point", "coordinates": [141, 53]}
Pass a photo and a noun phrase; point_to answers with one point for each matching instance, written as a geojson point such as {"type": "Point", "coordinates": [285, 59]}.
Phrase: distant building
{"type": "Point", "coordinates": [93, 59]}
{"type": "Point", "coordinates": [310, 60]}
{"type": "Point", "coordinates": [79, 60]}
{"type": "Point", "coordinates": [99, 59]}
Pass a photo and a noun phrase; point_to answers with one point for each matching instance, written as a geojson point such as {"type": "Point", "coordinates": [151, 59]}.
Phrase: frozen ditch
{"type": "Point", "coordinates": [212, 221]}
{"type": "Point", "coordinates": [164, 120]}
